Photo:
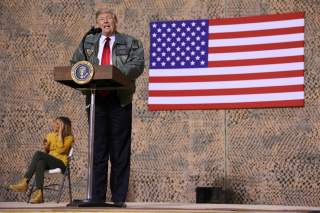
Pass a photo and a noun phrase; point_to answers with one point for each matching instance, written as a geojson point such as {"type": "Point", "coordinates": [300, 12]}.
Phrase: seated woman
{"type": "Point", "coordinates": [57, 145]}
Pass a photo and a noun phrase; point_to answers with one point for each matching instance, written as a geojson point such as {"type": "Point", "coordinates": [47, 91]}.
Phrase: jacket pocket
{"type": "Point", "coordinates": [122, 52]}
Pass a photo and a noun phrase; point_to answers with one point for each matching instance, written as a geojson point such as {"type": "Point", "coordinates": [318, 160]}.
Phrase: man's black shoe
{"type": "Point", "coordinates": [120, 204]}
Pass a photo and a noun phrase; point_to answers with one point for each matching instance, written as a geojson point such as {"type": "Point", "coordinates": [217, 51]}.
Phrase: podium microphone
{"type": "Point", "coordinates": [93, 31]}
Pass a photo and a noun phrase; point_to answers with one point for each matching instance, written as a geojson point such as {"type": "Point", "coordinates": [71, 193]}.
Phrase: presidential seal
{"type": "Point", "coordinates": [82, 72]}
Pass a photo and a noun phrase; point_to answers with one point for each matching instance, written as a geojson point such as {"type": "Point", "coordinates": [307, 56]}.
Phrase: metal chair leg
{"type": "Point", "coordinates": [31, 190]}
{"type": "Point", "coordinates": [61, 188]}
{"type": "Point", "coordinates": [69, 184]}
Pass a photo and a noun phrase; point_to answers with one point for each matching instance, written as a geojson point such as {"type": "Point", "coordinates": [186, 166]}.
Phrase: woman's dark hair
{"type": "Point", "coordinates": [67, 126]}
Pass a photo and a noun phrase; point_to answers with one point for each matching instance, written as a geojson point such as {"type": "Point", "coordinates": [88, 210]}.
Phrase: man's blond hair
{"type": "Point", "coordinates": [102, 11]}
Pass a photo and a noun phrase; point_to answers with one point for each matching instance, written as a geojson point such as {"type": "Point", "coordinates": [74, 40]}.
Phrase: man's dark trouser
{"type": "Point", "coordinates": [40, 162]}
{"type": "Point", "coordinates": [112, 141]}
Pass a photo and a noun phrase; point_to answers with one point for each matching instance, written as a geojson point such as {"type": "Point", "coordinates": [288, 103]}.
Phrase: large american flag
{"type": "Point", "coordinates": [247, 62]}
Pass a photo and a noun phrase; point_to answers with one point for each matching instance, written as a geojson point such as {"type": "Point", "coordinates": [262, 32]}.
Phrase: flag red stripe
{"type": "Point", "coordinates": [233, 77]}
{"type": "Point", "coordinates": [291, 103]}
{"type": "Point", "coordinates": [256, 47]}
{"type": "Point", "coordinates": [253, 19]}
{"type": "Point", "coordinates": [237, 91]}
{"type": "Point", "coordinates": [259, 61]}
{"type": "Point", "coordinates": [255, 33]}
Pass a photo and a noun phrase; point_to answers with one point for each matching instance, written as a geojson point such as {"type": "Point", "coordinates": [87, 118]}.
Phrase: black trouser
{"type": "Point", "coordinates": [112, 141]}
{"type": "Point", "coordinates": [40, 162]}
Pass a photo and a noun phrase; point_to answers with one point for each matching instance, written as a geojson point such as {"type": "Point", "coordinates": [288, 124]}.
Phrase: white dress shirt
{"type": "Point", "coordinates": [102, 41]}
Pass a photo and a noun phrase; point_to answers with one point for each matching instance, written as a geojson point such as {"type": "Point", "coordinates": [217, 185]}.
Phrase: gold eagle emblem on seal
{"type": "Point", "coordinates": [82, 72]}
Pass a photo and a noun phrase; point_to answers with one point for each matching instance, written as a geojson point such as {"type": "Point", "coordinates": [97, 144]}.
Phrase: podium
{"type": "Point", "coordinates": [106, 77]}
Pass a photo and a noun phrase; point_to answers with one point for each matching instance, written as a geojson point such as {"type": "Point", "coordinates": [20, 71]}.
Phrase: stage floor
{"type": "Point", "coordinates": [155, 207]}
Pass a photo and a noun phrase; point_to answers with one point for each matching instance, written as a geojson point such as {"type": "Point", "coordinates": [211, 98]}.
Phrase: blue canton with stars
{"type": "Point", "coordinates": [179, 44]}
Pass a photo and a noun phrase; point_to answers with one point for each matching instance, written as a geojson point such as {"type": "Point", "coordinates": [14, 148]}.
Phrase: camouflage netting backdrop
{"type": "Point", "coordinates": [261, 156]}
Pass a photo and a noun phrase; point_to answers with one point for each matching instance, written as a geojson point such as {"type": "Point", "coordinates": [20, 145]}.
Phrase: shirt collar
{"type": "Point", "coordinates": [103, 38]}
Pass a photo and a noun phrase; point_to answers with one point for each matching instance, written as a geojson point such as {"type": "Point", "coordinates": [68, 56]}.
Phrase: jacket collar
{"type": "Point", "coordinates": [119, 38]}
{"type": "Point", "coordinates": [93, 38]}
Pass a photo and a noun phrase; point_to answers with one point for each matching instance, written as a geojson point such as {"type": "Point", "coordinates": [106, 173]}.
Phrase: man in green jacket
{"type": "Point", "coordinates": [113, 117]}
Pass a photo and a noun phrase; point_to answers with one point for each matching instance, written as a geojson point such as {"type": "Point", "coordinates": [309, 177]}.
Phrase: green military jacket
{"type": "Point", "coordinates": [127, 56]}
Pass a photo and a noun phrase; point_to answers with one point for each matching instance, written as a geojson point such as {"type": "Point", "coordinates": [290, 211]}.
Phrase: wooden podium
{"type": "Point", "coordinates": [105, 77]}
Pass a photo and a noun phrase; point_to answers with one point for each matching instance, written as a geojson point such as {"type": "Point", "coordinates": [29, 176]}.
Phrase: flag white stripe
{"type": "Point", "coordinates": [226, 70]}
{"type": "Point", "coordinates": [256, 54]}
{"type": "Point", "coordinates": [256, 40]}
{"type": "Point", "coordinates": [227, 98]}
{"type": "Point", "coordinates": [227, 84]}
{"type": "Point", "coordinates": [256, 26]}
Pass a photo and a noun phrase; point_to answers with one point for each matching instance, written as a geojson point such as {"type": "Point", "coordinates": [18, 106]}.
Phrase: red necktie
{"type": "Point", "coordinates": [106, 52]}
{"type": "Point", "coordinates": [105, 59]}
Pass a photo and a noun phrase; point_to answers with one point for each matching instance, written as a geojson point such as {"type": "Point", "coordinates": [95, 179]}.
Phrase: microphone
{"type": "Point", "coordinates": [93, 31]}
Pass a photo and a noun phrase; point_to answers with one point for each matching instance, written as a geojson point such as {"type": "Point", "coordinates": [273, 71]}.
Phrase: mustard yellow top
{"type": "Point", "coordinates": [59, 149]}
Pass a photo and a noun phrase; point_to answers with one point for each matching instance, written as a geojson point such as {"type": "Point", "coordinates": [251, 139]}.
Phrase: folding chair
{"type": "Point", "coordinates": [52, 187]}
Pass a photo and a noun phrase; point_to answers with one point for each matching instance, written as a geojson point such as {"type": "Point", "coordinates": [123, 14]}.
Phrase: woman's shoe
{"type": "Point", "coordinates": [37, 196]}
{"type": "Point", "coordinates": [20, 186]}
